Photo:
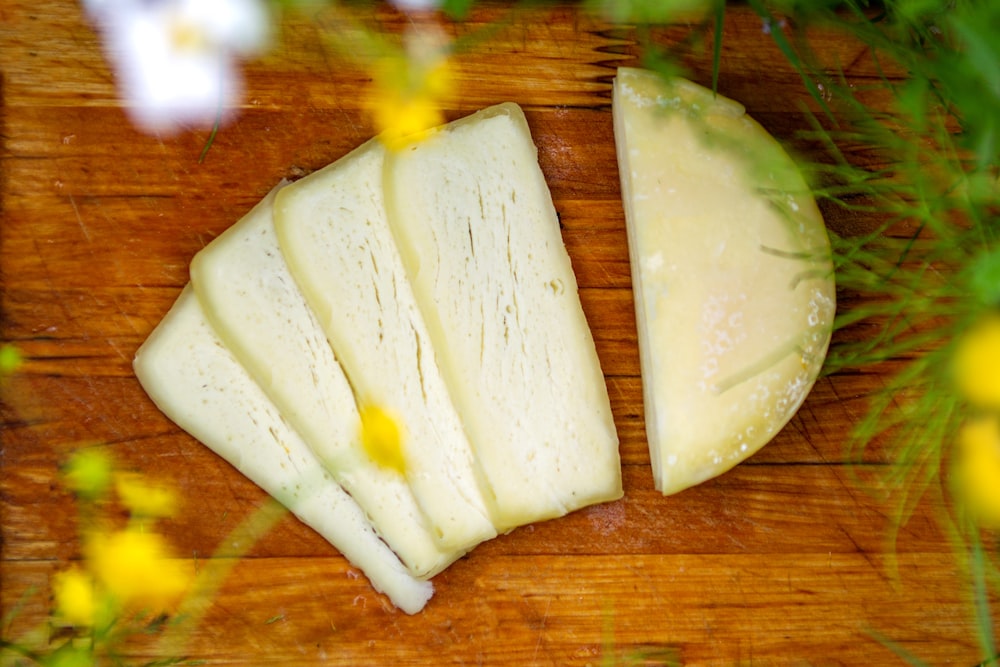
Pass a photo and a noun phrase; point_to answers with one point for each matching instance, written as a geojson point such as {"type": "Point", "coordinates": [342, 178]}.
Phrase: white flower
{"type": "Point", "coordinates": [416, 5]}
{"type": "Point", "coordinates": [175, 59]}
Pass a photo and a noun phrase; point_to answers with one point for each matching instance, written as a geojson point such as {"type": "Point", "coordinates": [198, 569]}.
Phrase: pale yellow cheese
{"type": "Point", "coordinates": [253, 303]}
{"type": "Point", "coordinates": [332, 229]}
{"type": "Point", "coordinates": [731, 271]}
{"type": "Point", "coordinates": [194, 379]}
{"type": "Point", "coordinates": [480, 239]}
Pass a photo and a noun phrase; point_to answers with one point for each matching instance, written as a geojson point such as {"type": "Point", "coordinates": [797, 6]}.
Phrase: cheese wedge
{"type": "Point", "coordinates": [332, 229]}
{"type": "Point", "coordinates": [731, 270]}
{"type": "Point", "coordinates": [480, 239]}
{"type": "Point", "coordinates": [253, 303]}
{"type": "Point", "coordinates": [196, 382]}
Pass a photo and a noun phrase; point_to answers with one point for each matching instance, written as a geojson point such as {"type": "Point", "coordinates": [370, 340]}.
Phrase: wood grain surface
{"type": "Point", "coordinates": [786, 560]}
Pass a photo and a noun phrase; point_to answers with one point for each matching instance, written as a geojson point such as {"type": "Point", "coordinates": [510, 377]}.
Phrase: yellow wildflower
{"type": "Point", "coordinates": [976, 474]}
{"type": "Point", "coordinates": [136, 569]}
{"type": "Point", "coordinates": [408, 90]}
{"type": "Point", "coordinates": [381, 438]}
{"type": "Point", "coordinates": [73, 590]}
{"type": "Point", "coordinates": [977, 363]}
{"type": "Point", "coordinates": [143, 498]}
{"type": "Point", "coordinates": [88, 473]}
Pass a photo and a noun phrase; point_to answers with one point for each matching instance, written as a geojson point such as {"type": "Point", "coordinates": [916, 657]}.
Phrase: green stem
{"type": "Point", "coordinates": [23, 651]}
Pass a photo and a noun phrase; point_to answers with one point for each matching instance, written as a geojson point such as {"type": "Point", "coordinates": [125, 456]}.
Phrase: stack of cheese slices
{"type": "Point", "coordinates": [432, 282]}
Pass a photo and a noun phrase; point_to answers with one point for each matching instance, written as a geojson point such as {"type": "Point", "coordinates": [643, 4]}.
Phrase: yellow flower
{"type": "Point", "coordinates": [381, 438]}
{"type": "Point", "coordinates": [408, 90]}
{"type": "Point", "coordinates": [976, 473]}
{"type": "Point", "coordinates": [136, 569]}
{"type": "Point", "coordinates": [145, 499]}
{"type": "Point", "coordinates": [88, 473]}
{"type": "Point", "coordinates": [977, 363]}
{"type": "Point", "coordinates": [402, 120]}
{"type": "Point", "coordinates": [73, 590]}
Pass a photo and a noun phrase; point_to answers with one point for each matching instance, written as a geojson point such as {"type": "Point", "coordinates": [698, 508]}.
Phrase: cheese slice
{"type": "Point", "coordinates": [191, 376]}
{"type": "Point", "coordinates": [251, 299]}
{"type": "Point", "coordinates": [332, 229]}
{"type": "Point", "coordinates": [480, 239]}
{"type": "Point", "coordinates": [731, 271]}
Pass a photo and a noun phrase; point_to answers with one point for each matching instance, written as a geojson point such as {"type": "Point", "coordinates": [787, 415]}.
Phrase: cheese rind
{"type": "Point", "coordinates": [332, 229]}
{"type": "Point", "coordinates": [253, 303]}
{"type": "Point", "coordinates": [731, 270]}
{"type": "Point", "coordinates": [194, 380]}
{"type": "Point", "coordinates": [480, 238]}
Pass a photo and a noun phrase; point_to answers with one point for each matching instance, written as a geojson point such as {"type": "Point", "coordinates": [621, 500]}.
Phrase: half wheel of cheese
{"type": "Point", "coordinates": [731, 270]}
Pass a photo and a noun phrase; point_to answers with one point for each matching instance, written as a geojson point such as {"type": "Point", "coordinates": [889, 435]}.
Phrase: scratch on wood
{"type": "Point", "coordinates": [79, 218]}
{"type": "Point", "coordinates": [541, 628]}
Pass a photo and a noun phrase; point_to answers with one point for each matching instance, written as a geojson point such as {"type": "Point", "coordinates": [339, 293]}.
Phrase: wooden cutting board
{"type": "Point", "coordinates": [784, 560]}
